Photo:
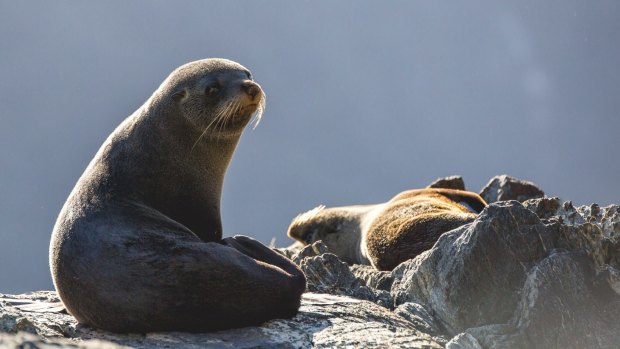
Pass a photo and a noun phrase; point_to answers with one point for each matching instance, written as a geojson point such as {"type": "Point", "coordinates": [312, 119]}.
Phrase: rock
{"type": "Point", "coordinates": [30, 341]}
{"type": "Point", "coordinates": [590, 229]}
{"type": "Point", "coordinates": [373, 278]}
{"type": "Point", "coordinates": [607, 218]}
{"type": "Point", "coordinates": [544, 208]}
{"type": "Point", "coordinates": [463, 341]}
{"type": "Point", "coordinates": [510, 281]}
{"type": "Point", "coordinates": [504, 187]}
{"type": "Point", "coordinates": [328, 274]}
{"type": "Point", "coordinates": [612, 275]}
{"type": "Point", "coordinates": [11, 323]}
{"type": "Point", "coordinates": [451, 182]}
{"type": "Point", "coordinates": [375, 328]}
{"type": "Point", "coordinates": [324, 321]}
{"type": "Point", "coordinates": [420, 318]}
{"type": "Point", "coordinates": [315, 249]}
{"type": "Point", "coordinates": [289, 251]}
{"type": "Point", "coordinates": [489, 336]}
{"type": "Point", "coordinates": [470, 276]}
{"type": "Point", "coordinates": [13, 319]}
{"type": "Point", "coordinates": [562, 306]}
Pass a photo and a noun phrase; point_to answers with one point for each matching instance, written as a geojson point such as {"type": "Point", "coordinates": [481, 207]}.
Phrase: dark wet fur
{"type": "Point", "coordinates": [138, 245]}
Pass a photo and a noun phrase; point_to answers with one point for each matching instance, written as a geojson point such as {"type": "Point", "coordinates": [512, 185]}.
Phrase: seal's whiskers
{"type": "Point", "coordinates": [219, 115]}
{"type": "Point", "coordinates": [258, 114]}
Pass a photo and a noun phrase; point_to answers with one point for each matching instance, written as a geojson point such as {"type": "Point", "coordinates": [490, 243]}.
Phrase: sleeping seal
{"type": "Point", "coordinates": [387, 234]}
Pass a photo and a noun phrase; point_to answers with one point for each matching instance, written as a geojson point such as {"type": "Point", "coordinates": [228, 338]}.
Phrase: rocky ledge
{"type": "Point", "coordinates": [529, 272]}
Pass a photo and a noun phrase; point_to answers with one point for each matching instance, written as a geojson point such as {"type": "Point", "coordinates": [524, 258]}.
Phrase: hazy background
{"type": "Point", "coordinates": [364, 100]}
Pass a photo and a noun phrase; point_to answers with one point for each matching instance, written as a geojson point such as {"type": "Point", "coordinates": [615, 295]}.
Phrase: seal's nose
{"type": "Point", "coordinates": [251, 88]}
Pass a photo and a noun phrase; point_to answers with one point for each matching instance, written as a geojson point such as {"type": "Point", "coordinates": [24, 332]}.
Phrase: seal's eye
{"type": "Point", "coordinates": [249, 75]}
{"type": "Point", "coordinates": [213, 89]}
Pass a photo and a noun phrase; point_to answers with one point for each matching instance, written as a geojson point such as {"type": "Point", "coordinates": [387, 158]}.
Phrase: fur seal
{"type": "Point", "coordinates": [138, 245]}
{"type": "Point", "coordinates": [387, 234]}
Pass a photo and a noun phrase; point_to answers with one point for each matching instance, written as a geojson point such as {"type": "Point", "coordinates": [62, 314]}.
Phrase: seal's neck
{"type": "Point", "coordinates": [351, 228]}
{"type": "Point", "coordinates": [186, 176]}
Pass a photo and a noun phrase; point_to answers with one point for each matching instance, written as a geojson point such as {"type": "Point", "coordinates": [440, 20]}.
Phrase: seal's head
{"type": "Point", "coordinates": [305, 228]}
{"type": "Point", "coordinates": [217, 96]}
{"type": "Point", "coordinates": [339, 228]}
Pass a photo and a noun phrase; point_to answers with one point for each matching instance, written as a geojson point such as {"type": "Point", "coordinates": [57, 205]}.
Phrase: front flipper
{"type": "Point", "coordinates": [254, 249]}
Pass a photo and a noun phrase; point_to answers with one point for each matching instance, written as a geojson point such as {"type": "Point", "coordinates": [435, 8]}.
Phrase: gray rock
{"type": "Point", "coordinates": [373, 278]}
{"type": "Point", "coordinates": [328, 274]}
{"type": "Point", "coordinates": [612, 275]}
{"type": "Point", "coordinates": [545, 208]}
{"type": "Point", "coordinates": [24, 340]}
{"type": "Point", "coordinates": [315, 249]}
{"type": "Point", "coordinates": [510, 281]}
{"type": "Point", "coordinates": [451, 182]}
{"type": "Point", "coordinates": [420, 318]}
{"type": "Point", "coordinates": [496, 336]}
{"type": "Point", "coordinates": [327, 271]}
{"type": "Point", "coordinates": [387, 330]}
{"type": "Point", "coordinates": [504, 187]}
{"type": "Point", "coordinates": [591, 229]}
{"type": "Point", "coordinates": [562, 306]}
{"type": "Point", "coordinates": [14, 323]}
{"type": "Point", "coordinates": [607, 218]}
{"type": "Point", "coordinates": [324, 321]}
{"type": "Point", "coordinates": [463, 341]}
{"type": "Point", "coordinates": [14, 320]}
{"type": "Point", "coordinates": [471, 276]}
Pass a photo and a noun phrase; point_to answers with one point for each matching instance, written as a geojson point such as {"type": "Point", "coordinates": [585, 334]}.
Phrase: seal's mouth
{"type": "Point", "coordinates": [248, 109]}
{"type": "Point", "coordinates": [244, 113]}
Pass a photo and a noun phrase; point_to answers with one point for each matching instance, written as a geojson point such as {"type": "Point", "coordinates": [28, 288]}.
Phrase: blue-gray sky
{"type": "Point", "coordinates": [364, 100]}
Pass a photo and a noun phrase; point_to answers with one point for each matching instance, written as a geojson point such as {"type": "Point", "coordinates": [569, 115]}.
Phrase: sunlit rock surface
{"type": "Point", "coordinates": [535, 272]}
{"type": "Point", "coordinates": [467, 279]}
{"type": "Point", "coordinates": [452, 182]}
{"type": "Point", "coordinates": [324, 321]}
{"type": "Point", "coordinates": [504, 187]}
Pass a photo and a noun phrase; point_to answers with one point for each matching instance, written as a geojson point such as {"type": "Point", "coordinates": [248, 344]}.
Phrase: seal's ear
{"type": "Point", "coordinates": [179, 95]}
